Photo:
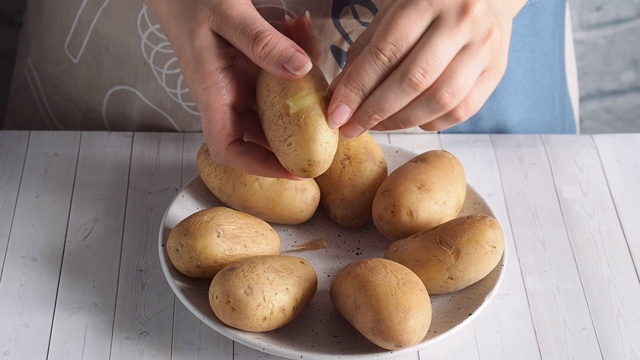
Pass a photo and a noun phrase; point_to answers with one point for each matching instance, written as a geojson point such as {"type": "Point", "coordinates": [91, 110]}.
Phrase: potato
{"type": "Point", "coordinates": [420, 194]}
{"type": "Point", "coordinates": [347, 188]}
{"type": "Point", "coordinates": [280, 201]}
{"type": "Point", "coordinates": [208, 240]}
{"type": "Point", "coordinates": [294, 118]}
{"type": "Point", "coordinates": [262, 293]}
{"type": "Point", "coordinates": [385, 301]}
{"type": "Point", "coordinates": [453, 255]}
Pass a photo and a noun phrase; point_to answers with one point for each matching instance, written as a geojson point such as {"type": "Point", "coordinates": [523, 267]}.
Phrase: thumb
{"type": "Point", "coordinates": [250, 33]}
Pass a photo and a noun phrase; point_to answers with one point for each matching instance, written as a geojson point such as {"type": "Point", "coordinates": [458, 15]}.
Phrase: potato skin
{"type": "Point", "coordinates": [348, 187]}
{"type": "Point", "coordinates": [424, 192]}
{"type": "Point", "coordinates": [262, 293]}
{"type": "Point", "coordinates": [208, 240]}
{"type": "Point", "coordinates": [280, 201]}
{"type": "Point", "coordinates": [293, 115]}
{"type": "Point", "coordinates": [453, 255]}
{"type": "Point", "coordinates": [385, 301]}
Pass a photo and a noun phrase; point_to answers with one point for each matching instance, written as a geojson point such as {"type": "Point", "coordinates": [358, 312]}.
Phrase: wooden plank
{"type": "Point", "coordinates": [13, 150]}
{"type": "Point", "coordinates": [503, 330]}
{"type": "Point", "coordinates": [83, 320]}
{"type": "Point", "coordinates": [32, 267]}
{"type": "Point", "coordinates": [416, 142]}
{"type": "Point", "coordinates": [192, 338]}
{"type": "Point", "coordinates": [596, 225]}
{"type": "Point", "coordinates": [192, 143]}
{"type": "Point", "coordinates": [242, 352]}
{"type": "Point", "coordinates": [557, 300]}
{"type": "Point", "coordinates": [460, 345]}
{"type": "Point", "coordinates": [144, 307]}
{"type": "Point", "coordinates": [619, 154]}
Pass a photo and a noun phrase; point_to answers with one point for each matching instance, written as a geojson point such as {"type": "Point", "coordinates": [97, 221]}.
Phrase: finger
{"type": "Point", "coordinates": [237, 140]}
{"type": "Point", "coordinates": [418, 72]}
{"type": "Point", "coordinates": [242, 26]}
{"type": "Point", "coordinates": [472, 103]}
{"type": "Point", "coordinates": [449, 90]}
{"type": "Point", "coordinates": [304, 34]}
{"type": "Point", "coordinates": [386, 49]}
{"type": "Point", "coordinates": [356, 48]}
{"type": "Point", "coordinates": [353, 52]}
{"type": "Point", "coordinates": [216, 90]}
{"type": "Point", "coordinates": [252, 129]}
{"type": "Point", "coordinates": [227, 145]}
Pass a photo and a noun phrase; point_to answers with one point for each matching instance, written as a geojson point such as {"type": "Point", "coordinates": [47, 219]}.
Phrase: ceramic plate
{"type": "Point", "coordinates": [319, 331]}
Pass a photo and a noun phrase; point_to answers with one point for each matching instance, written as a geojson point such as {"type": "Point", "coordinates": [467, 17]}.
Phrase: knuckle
{"type": "Point", "coordinates": [474, 9]}
{"type": "Point", "coordinates": [415, 81]}
{"type": "Point", "coordinates": [400, 123]}
{"type": "Point", "coordinates": [444, 99]}
{"type": "Point", "coordinates": [458, 115]}
{"type": "Point", "coordinates": [466, 109]}
{"type": "Point", "coordinates": [355, 49]}
{"type": "Point", "coordinates": [386, 54]}
{"type": "Point", "coordinates": [370, 116]}
{"type": "Point", "coordinates": [491, 37]}
{"type": "Point", "coordinates": [262, 47]}
{"type": "Point", "coordinates": [355, 87]}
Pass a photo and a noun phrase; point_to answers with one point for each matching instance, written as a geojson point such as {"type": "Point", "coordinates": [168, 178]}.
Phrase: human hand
{"type": "Point", "coordinates": [427, 63]}
{"type": "Point", "coordinates": [220, 44]}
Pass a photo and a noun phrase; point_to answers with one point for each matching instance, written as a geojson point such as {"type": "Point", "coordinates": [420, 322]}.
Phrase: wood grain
{"type": "Point", "coordinates": [557, 300]}
{"type": "Point", "coordinates": [13, 150]}
{"type": "Point", "coordinates": [504, 329]}
{"type": "Point", "coordinates": [144, 310]}
{"type": "Point", "coordinates": [80, 215]}
{"type": "Point", "coordinates": [598, 243]}
{"type": "Point", "coordinates": [416, 142]}
{"type": "Point", "coordinates": [83, 321]}
{"type": "Point", "coordinates": [619, 154]}
{"type": "Point", "coordinates": [34, 253]}
{"type": "Point", "coordinates": [192, 338]}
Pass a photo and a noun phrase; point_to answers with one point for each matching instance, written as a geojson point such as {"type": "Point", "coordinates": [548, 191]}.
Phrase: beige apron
{"type": "Point", "coordinates": [106, 64]}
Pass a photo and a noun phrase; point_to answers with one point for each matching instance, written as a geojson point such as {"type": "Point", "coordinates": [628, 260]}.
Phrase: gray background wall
{"type": "Point", "coordinates": [607, 45]}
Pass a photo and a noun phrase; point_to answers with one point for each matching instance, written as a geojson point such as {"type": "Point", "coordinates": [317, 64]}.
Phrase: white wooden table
{"type": "Point", "coordinates": [80, 275]}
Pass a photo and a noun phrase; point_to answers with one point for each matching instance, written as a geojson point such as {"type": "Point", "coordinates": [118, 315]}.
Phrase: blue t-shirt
{"type": "Point", "coordinates": [533, 96]}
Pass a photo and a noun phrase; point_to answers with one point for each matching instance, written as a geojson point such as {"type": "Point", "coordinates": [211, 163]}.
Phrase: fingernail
{"type": "Point", "coordinates": [351, 130]}
{"type": "Point", "coordinates": [297, 63]}
{"type": "Point", "coordinates": [309, 24]}
{"type": "Point", "coordinates": [339, 116]}
{"type": "Point", "coordinates": [288, 19]}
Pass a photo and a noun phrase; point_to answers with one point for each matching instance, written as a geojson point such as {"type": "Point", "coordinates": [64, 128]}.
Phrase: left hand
{"type": "Point", "coordinates": [427, 63]}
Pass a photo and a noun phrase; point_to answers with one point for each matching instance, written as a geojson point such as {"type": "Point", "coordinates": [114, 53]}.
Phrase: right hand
{"type": "Point", "coordinates": [220, 44]}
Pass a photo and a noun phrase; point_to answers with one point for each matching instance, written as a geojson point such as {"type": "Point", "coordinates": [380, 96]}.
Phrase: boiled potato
{"type": "Point", "coordinates": [347, 188]}
{"type": "Point", "coordinates": [281, 201]}
{"type": "Point", "coordinates": [385, 301]}
{"type": "Point", "coordinates": [208, 240]}
{"type": "Point", "coordinates": [424, 192]}
{"type": "Point", "coordinates": [262, 293]}
{"type": "Point", "coordinates": [294, 118]}
{"type": "Point", "coordinates": [453, 255]}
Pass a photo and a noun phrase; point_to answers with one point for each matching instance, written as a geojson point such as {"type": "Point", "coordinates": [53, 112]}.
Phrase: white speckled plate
{"type": "Point", "coordinates": [319, 331]}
